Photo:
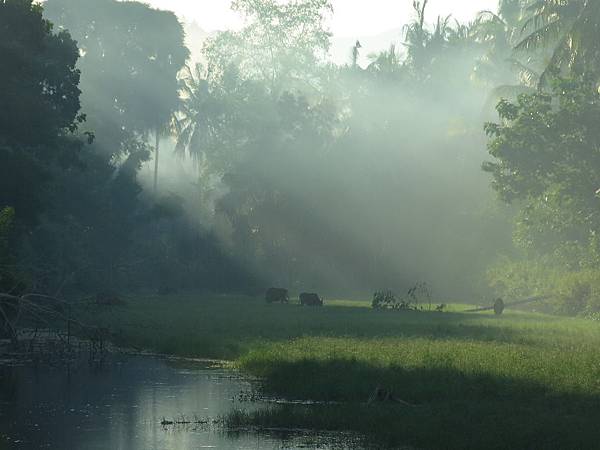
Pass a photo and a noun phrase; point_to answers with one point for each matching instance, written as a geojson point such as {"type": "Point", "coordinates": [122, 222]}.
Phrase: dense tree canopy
{"type": "Point", "coordinates": [129, 68]}
{"type": "Point", "coordinates": [291, 170]}
{"type": "Point", "coordinates": [40, 93]}
{"type": "Point", "coordinates": [40, 105]}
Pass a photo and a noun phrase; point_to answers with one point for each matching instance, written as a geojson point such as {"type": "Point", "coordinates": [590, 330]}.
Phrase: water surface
{"type": "Point", "coordinates": [121, 405]}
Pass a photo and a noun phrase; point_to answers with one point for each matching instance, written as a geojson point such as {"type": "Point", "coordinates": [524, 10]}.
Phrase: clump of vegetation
{"type": "Point", "coordinates": [571, 292]}
{"type": "Point", "coordinates": [416, 297]}
{"type": "Point", "coordinates": [384, 300]}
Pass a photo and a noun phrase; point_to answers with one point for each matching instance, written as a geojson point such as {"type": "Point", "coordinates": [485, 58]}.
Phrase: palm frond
{"type": "Point", "coordinates": [541, 37]}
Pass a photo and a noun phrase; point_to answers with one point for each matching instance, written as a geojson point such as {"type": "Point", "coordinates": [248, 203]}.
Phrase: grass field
{"type": "Point", "coordinates": [519, 381]}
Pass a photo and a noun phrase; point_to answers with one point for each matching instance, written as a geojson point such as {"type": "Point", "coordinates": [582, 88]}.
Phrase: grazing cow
{"type": "Point", "coordinates": [307, 299]}
{"type": "Point", "coordinates": [274, 295]}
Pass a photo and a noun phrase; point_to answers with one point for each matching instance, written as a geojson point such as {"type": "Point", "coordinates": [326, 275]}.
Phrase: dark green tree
{"type": "Point", "coordinates": [545, 151]}
{"type": "Point", "coordinates": [131, 57]}
{"type": "Point", "coordinates": [40, 105]}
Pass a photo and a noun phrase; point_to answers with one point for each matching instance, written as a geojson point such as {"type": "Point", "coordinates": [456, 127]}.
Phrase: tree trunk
{"type": "Point", "coordinates": [156, 160]}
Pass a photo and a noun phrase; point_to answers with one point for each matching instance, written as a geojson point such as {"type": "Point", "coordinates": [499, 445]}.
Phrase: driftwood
{"type": "Point", "coordinates": [509, 305]}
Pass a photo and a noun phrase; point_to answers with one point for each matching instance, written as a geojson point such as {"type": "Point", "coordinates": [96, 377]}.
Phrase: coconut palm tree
{"type": "Point", "coordinates": [571, 28]}
{"type": "Point", "coordinates": [198, 123]}
{"type": "Point", "coordinates": [424, 46]}
{"type": "Point", "coordinates": [510, 74]}
{"type": "Point", "coordinates": [416, 37]}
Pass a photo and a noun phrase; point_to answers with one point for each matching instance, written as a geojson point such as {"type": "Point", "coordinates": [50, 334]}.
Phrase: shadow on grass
{"type": "Point", "coordinates": [452, 410]}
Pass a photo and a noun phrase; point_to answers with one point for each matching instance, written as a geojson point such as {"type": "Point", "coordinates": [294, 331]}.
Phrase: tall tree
{"type": "Point", "coordinates": [507, 72]}
{"type": "Point", "coordinates": [284, 44]}
{"type": "Point", "coordinates": [201, 120]}
{"type": "Point", "coordinates": [129, 68]}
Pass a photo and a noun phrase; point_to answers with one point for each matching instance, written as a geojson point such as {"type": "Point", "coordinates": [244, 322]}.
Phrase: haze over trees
{"type": "Point", "coordinates": [239, 196]}
{"type": "Point", "coordinates": [298, 172]}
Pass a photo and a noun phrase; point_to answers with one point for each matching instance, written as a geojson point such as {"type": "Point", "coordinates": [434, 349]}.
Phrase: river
{"type": "Point", "coordinates": [123, 404]}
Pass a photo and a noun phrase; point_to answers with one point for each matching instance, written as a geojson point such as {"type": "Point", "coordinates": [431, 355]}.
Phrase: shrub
{"type": "Point", "coordinates": [572, 292]}
{"type": "Point", "coordinates": [522, 278]}
{"type": "Point", "coordinates": [384, 300]}
{"type": "Point", "coordinates": [578, 293]}
{"type": "Point", "coordinates": [416, 295]}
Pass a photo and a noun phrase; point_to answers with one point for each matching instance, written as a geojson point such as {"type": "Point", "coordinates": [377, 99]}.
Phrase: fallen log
{"type": "Point", "coordinates": [510, 305]}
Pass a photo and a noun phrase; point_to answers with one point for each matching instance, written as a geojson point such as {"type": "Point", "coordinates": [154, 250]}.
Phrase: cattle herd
{"type": "Point", "coordinates": [280, 295]}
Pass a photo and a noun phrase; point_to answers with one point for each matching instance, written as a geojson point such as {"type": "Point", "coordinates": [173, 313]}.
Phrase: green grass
{"type": "Point", "coordinates": [477, 381]}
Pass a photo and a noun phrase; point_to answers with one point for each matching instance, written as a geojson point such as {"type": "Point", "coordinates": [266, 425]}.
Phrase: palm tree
{"type": "Point", "coordinates": [509, 74]}
{"type": "Point", "coordinates": [425, 46]}
{"type": "Point", "coordinates": [571, 28]}
{"type": "Point", "coordinates": [416, 36]}
{"type": "Point", "coordinates": [197, 124]}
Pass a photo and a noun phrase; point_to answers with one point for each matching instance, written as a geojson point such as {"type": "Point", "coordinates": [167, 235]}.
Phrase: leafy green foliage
{"type": "Point", "coordinates": [546, 162]}
{"type": "Point", "coordinates": [546, 158]}
{"type": "Point", "coordinates": [574, 293]}
{"type": "Point", "coordinates": [40, 93]}
{"type": "Point", "coordinates": [82, 223]}
{"type": "Point", "coordinates": [40, 105]}
{"type": "Point", "coordinates": [415, 298]}
{"type": "Point", "coordinates": [129, 67]}
{"type": "Point", "coordinates": [383, 300]}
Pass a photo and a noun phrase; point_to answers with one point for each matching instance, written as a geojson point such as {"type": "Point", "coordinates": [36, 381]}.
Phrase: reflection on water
{"type": "Point", "coordinates": [121, 406]}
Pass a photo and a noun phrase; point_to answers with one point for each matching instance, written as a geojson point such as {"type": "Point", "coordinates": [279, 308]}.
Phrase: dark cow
{"type": "Point", "coordinates": [274, 295]}
{"type": "Point", "coordinates": [307, 299]}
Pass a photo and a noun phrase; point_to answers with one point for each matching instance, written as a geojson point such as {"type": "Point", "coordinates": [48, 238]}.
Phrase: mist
{"type": "Point", "coordinates": [295, 233]}
{"type": "Point", "coordinates": [390, 194]}
{"type": "Point", "coordinates": [287, 163]}
{"type": "Point", "coordinates": [373, 180]}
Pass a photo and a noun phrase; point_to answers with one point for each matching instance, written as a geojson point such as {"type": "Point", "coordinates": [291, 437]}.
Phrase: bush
{"type": "Point", "coordinates": [519, 279]}
{"type": "Point", "coordinates": [416, 295]}
{"type": "Point", "coordinates": [578, 293]}
{"type": "Point", "coordinates": [384, 300]}
{"type": "Point", "coordinates": [572, 292]}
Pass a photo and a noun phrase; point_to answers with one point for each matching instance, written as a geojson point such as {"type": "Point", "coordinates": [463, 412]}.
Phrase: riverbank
{"type": "Point", "coordinates": [462, 380]}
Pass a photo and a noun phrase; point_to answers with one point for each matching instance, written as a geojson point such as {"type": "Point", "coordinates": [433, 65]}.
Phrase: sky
{"type": "Point", "coordinates": [351, 17]}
